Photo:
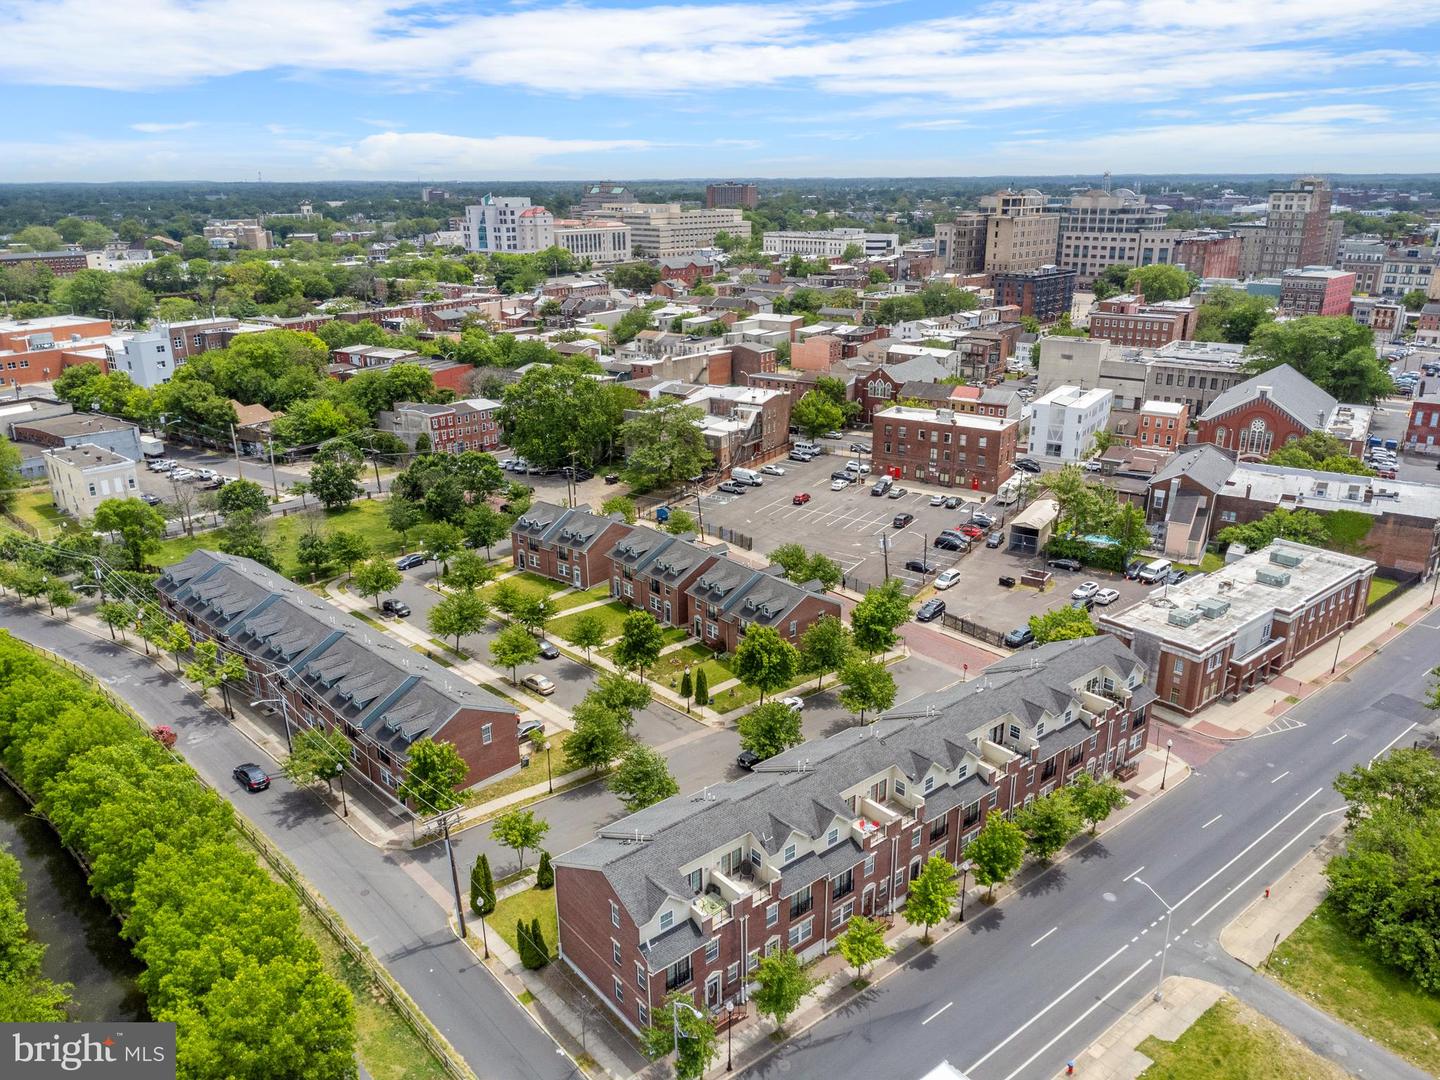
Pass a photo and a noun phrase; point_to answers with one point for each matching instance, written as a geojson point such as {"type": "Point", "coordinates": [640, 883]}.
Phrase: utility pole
{"type": "Point", "coordinates": [235, 445]}
{"type": "Point", "coordinates": [885, 553]}
{"type": "Point", "coordinates": [455, 877]}
{"type": "Point", "coordinates": [274, 483]}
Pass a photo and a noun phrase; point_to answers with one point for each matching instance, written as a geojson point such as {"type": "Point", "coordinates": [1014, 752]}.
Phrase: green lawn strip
{"type": "Point", "coordinates": [612, 613]}
{"type": "Point", "coordinates": [582, 596]}
{"type": "Point", "coordinates": [672, 665]}
{"type": "Point", "coordinates": [1323, 963]}
{"type": "Point", "coordinates": [524, 778]}
{"type": "Point", "coordinates": [739, 695]}
{"type": "Point", "coordinates": [1379, 587]}
{"type": "Point", "coordinates": [528, 584]}
{"type": "Point", "coordinates": [527, 905]}
{"type": "Point", "coordinates": [37, 508]}
{"type": "Point", "coordinates": [1232, 1042]}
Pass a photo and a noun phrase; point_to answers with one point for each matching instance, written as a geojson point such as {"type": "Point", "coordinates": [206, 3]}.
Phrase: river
{"type": "Point", "coordinates": [82, 939]}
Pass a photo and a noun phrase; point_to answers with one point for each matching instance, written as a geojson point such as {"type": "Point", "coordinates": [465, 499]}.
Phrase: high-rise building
{"type": "Point", "coordinates": [662, 230]}
{"type": "Point", "coordinates": [1297, 227]}
{"type": "Point", "coordinates": [1044, 293]}
{"type": "Point", "coordinates": [1107, 228]}
{"type": "Point", "coordinates": [960, 244]}
{"type": "Point", "coordinates": [508, 224]}
{"type": "Point", "coordinates": [1021, 233]}
{"type": "Point", "coordinates": [730, 194]}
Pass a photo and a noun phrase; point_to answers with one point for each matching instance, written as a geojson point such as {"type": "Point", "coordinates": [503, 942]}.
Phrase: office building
{"type": "Point", "coordinates": [1021, 232]}
{"type": "Point", "coordinates": [944, 447]}
{"type": "Point", "coordinates": [1129, 320]}
{"type": "Point", "coordinates": [1297, 228]}
{"type": "Point", "coordinates": [1107, 228]}
{"type": "Point", "coordinates": [960, 244]}
{"type": "Point", "coordinates": [830, 243]}
{"type": "Point", "coordinates": [508, 225]}
{"type": "Point", "coordinates": [1064, 422]}
{"type": "Point", "coordinates": [731, 194]}
{"type": "Point", "coordinates": [1315, 290]}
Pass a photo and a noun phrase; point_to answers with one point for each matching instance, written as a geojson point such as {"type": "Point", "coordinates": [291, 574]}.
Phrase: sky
{"type": "Point", "coordinates": [103, 90]}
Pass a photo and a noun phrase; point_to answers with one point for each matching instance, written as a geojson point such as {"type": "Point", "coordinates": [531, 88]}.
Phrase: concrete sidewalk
{"type": "Point", "coordinates": [1114, 1056]}
{"type": "Point", "coordinates": [1274, 916]}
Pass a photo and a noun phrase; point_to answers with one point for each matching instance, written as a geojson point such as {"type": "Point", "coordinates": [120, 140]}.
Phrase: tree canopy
{"type": "Point", "coordinates": [1334, 352]}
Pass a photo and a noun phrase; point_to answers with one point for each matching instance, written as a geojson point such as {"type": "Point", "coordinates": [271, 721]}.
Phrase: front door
{"type": "Point", "coordinates": [712, 991]}
{"type": "Point", "coordinates": [667, 612]}
{"type": "Point", "coordinates": [577, 574]}
{"type": "Point", "coordinates": [867, 901]}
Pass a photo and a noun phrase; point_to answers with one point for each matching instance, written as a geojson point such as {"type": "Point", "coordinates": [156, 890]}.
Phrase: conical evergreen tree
{"type": "Point", "coordinates": [545, 874]}
{"type": "Point", "coordinates": [527, 951]}
{"type": "Point", "coordinates": [482, 887]}
{"type": "Point", "coordinates": [702, 688]}
{"type": "Point", "coordinates": [537, 938]}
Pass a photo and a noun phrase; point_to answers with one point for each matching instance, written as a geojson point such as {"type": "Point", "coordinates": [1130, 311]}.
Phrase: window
{"type": "Point", "coordinates": [640, 979]}
{"type": "Point", "coordinates": [843, 885]}
{"type": "Point", "coordinates": [667, 920]}
{"type": "Point", "coordinates": [643, 1014]}
{"type": "Point", "coordinates": [677, 974]}
{"type": "Point", "coordinates": [772, 914]}
{"type": "Point", "coordinates": [1015, 731]}
{"type": "Point", "coordinates": [899, 787]}
{"type": "Point", "coordinates": [485, 735]}
{"type": "Point", "coordinates": [869, 866]}
{"type": "Point", "coordinates": [915, 839]}
{"type": "Point", "coordinates": [712, 950]}
{"type": "Point", "coordinates": [619, 990]}
{"type": "Point", "coordinates": [614, 913]}
{"type": "Point", "coordinates": [801, 902]}
{"type": "Point", "coordinates": [615, 951]}
{"type": "Point", "coordinates": [844, 913]}
{"type": "Point", "coordinates": [732, 974]}
{"type": "Point", "coordinates": [752, 961]}
{"type": "Point", "coordinates": [832, 838]}
{"type": "Point", "coordinates": [1179, 666]}
{"type": "Point", "coordinates": [789, 853]}
{"type": "Point", "coordinates": [800, 932]}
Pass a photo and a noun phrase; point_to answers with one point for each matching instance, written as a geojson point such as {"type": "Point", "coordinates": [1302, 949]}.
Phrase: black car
{"type": "Point", "coordinates": [149, 500]}
{"type": "Point", "coordinates": [1073, 565]}
{"type": "Point", "coordinates": [881, 486]}
{"type": "Point", "coordinates": [1086, 603]}
{"type": "Point", "coordinates": [1177, 576]}
{"type": "Point", "coordinates": [1006, 581]}
{"type": "Point", "coordinates": [901, 520]}
{"type": "Point", "coordinates": [410, 562]}
{"type": "Point", "coordinates": [859, 448]}
{"type": "Point", "coordinates": [251, 776]}
{"type": "Point", "coordinates": [919, 566]}
{"type": "Point", "coordinates": [995, 539]}
{"type": "Point", "coordinates": [930, 610]}
{"type": "Point", "coordinates": [1132, 568]}
{"type": "Point", "coordinates": [747, 759]}
{"type": "Point", "coordinates": [1027, 465]}
{"type": "Point", "coordinates": [398, 608]}
{"type": "Point", "coordinates": [948, 542]}
{"type": "Point", "coordinates": [952, 502]}
{"type": "Point", "coordinates": [983, 520]}
{"type": "Point", "coordinates": [1021, 635]}
{"type": "Point", "coordinates": [548, 651]}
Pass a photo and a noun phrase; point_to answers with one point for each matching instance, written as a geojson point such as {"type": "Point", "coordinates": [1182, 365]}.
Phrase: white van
{"type": "Point", "coordinates": [808, 448]}
{"type": "Point", "coordinates": [747, 476]}
{"type": "Point", "coordinates": [1155, 571]}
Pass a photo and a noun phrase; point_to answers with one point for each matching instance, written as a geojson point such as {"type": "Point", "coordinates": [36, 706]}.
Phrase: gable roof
{"type": "Point", "coordinates": [1286, 389]}
{"type": "Point", "coordinates": [1207, 465]}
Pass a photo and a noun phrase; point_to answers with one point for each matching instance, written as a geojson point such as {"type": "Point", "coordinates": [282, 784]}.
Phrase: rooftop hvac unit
{"type": "Point", "coordinates": [1277, 579]}
{"type": "Point", "coordinates": [1212, 607]}
{"type": "Point", "coordinates": [1183, 617]}
{"type": "Point", "coordinates": [1285, 558]}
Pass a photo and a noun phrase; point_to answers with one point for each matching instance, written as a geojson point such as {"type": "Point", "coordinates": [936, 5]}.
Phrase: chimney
{"type": "Point", "coordinates": [1369, 494]}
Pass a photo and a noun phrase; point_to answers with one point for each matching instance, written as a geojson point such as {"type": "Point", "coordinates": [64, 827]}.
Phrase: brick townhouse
{"type": "Point", "coordinates": [687, 894]}
{"type": "Point", "coordinates": [1220, 635]}
{"type": "Point", "coordinates": [653, 571]}
{"type": "Point", "coordinates": [945, 447]}
{"type": "Point", "coordinates": [570, 545]}
{"type": "Point", "coordinates": [1422, 428]}
{"type": "Point", "coordinates": [729, 598]}
{"type": "Point", "coordinates": [452, 428]}
{"type": "Point", "coordinates": [1129, 320]}
{"type": "Point", "coordinates": [336, 673]}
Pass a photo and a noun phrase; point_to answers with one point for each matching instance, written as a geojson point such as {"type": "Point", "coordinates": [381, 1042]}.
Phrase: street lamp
{"type": "Point", "coordinates": [1165, 949]}
{"type": "Point", "coordinates": [284, 714]}
{"type": "Point", "coordinates": [1336, 662]}
{"type": "Point", "coordinates": [1166, 770]}
{"type": "Point", "coordinates": [686, 682]}
{"type": "Point", "coordinates": [964, 873]}
{"type": "Point", "coordinates": [675, 1018]}
{"type": "Point", "coordinates": [729, 1036]}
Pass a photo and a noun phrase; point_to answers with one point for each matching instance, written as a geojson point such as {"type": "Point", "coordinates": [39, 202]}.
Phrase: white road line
{"type": "Point", "coordinates": [1070, 1026]}
{"type": "Point", "coordinates": [1132, 873]}
{"type": "Point", "coordinates": [1212, 821]}
{"type": "Point", "coordinates": [1345, 736]}
{"type": "Point", "coordinates": [1281, 777]}
{"type": "Point", "coordinates": [936, 1013]}
{"type": "Point", "coordinates": [1043, 936]}
{"type": "Point", "coordinates": [1134, 939]}
{"type": "Point", "coordinates": [1393, 741]}
{"type": "Point", "coordinates": [1074, 986]}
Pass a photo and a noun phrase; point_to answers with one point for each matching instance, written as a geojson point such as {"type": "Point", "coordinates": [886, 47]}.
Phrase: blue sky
{"type": "Point", "coordinates": [384, 89]}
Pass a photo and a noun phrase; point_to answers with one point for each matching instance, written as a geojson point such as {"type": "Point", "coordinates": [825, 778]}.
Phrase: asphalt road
{"type": "Point", "coordinates": [1031, 983]}
{"type": "Point", "coordinates": [375, 893]}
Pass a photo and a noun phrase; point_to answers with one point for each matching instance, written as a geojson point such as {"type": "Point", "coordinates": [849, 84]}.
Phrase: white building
{"type": "Point", "coordinates": [664, 230]}
{"type": "Point", "coordinates": [602, 242]}
{"type": "Point", "coordinates": [84, 476]}
{"type": "Point", "coordinates": [829, 243]}
{"type": "Point", "coordinates": [508, 225]}
{"type": "Point", "coordinates": [147, 357]}
{"type": "Point", "coordinates": [1063, 423]}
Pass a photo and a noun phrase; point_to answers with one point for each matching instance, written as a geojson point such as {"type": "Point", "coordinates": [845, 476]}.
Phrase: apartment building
{"type": "Point", "coordinates": [688, 894]}
{"type": "Point", "coordinates": [1315, 290]}
{"type": "Point", "coordinates": [1297, 228]}
{"type": "Point", "coordinates": [84, 475]}
{"type": "Point", "coordinates": [38, 350]}
{"type": "Point", "coordinates": [1408, 267]}
{"type": "Point", "coordinates": [1064, 422]}
{"type": "Point", "coordinates": [727, 598]}
{"type": "Point", "coordinates": [653, 571]}
{"type": "Point", "coordinates": [1129, 320]}
{"type": "Point", "coordinates": [830, 243]}
{"type": "Point", "coordinates": [1385, 318]}
{"type": "Point", "coordinates": [1208, 254]}
{"type": "Point", "coordinates": [1044, 292]}
{"type": "Point", "coordinates": [337, 674]}
{"type": "Point", "coordinates": [452, 428]}
{"type": "Point", "coordinates": [1162, 425]}
{"type": "Point", "coordinates": [508, 225]}
{"type": "Point", "coordinates": [59, 263]}
{"type": "Point", "coordinates": [1363, 256]}
{"type": "Point", "coordinates": [731, 195]}
{"type": "Point", "coordinates": [1021, 232]}
{"type": "Point", "coordinates": [1101, 228]}
{"type": "Point", "coordinates": [665, 230]}
{"type": "Point", "coordinates": [960, 244]}
{"type": "Point", "coordinates": [570, 545]}
{"type": "Point", "coordinates": [119, 436]}
{"type": "Point", "coordinates": [743, 425]}
{"type": "Point", "coordinates": [1221, 635]}
{"type": "Point", "coordinates": [1422, 429]}
{"type": "Point", "coordinates": [944, 447]}
{"type": "Point", "coordinates": [602, 242]}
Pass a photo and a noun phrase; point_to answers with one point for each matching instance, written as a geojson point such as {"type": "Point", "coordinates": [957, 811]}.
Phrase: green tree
{"type": "Point", "coordinates": [1062, 624]}
{"type": "Point", "coordinates": [1408, 779]}
{"type": "Point", "coordinates": [531, 955]}
{"type": "Point", "coordinates": [312, 552]}
{"type": "Point", "coordinates": [825, 646]}
{"type": "Point", "coordinates": [468, 571]}
{"type": "Point", "coordinates": [681, 523]}
{"type": "Point", "coordinates": [403, 515]}
{"type": "Point", "coordinates": [1049, 823]}
{"type": "Point", "coordinates": [10, 478]}
{"type": "Point", "coordinates": [374, 577]}
{"type": "Point", "coordinates": [624, 697]}
{"type": "Point", "coordinates": [880, 612]}
{"type": "Point", "coordinates": [59, 595]}
{"type": "Point", "coordinates": [699, 1044]}
{"type": "Point", "coordinates": [1301, 526]}
{"type": "Point", "coordinates": [116, 614]}
{"type": "Point", "coordinates": [231, 669]}
{"type": "Point", "coordinates": [635, 276]}
{"type": "Point", "coordinates": [622, 505]}
{"type": "Point", "coordinates": [766, 661]}
{"type": "Point", "coordinates": [816, 413]}
{"type": "Point", "coordinates": [203, 668]}
{"type": "Point", "coordinates": [1414, 300]}
{"type": "Point", "coordinates": [538, 942]}
{"type": "Point", "coordinates": [702, 688]}
{"type": "Point", "coordinates": [1160, 282]}
{"type": "Point", "coordinates": [482, 886]}
{"type": "Point", "coordinates": [512, 647]}
{"type": "Point", "coordinates": [867, 685]}
{"type": "Point", "coordinates": [642, 778]}
{"type": "Point", "coordinates": [1319, 450]}
{"type": "Point", "coordinates": [241, 497]}
{"type": "Point", "coordinates": [663, 445]}
{"type": "Point", "coordinates": [1232, 315]}
{"type": "Point", "coordinates": [640, 642]}
{"type": "Point", "coordinates": [485, 527]}
{"type": "Point", "coordinates": [931, 895]}
{"type": "Point", "coordinates": [433, 770]}
{"type": "Point", "coordinates": [458, 614]}
{"type": "Point", "coordinates": [442, 540]}
{"type": "Point", "coordinates": [783, 984]}
{"type": "Point", "coordinates": [519, 830]}
{"type": "Point", "coordinates": [587, 632]}
{"type": "Point", "coordinates": [177, 640]}
{"type": "Point", "coordinates": [317, 754]}
{"type": "Point", "coordinates": [347, 548]}
{"type": "Point", "coordinates": [1095, 800]}
{"type": "Point", "coordinates": [335, 476]}
{"type": "Point", "coordinates": [1334, 352]}
{"type": "Point", "coordinates": [770, 729]}
{"type": "Point", "coordinates": [555, 411]}
{"type": "Point", "coordinates": [1111, 281]}
{"type": "Point", "coordinates": [532, 612]}
{"type": "Point", "coordinates": [863, 944]}
{"type": "Point", "coordinates": [544, 872]}
{"type": "Point", "coordinates": [997, 851]}
{"type": "Point", "coordinates": [141, 527]}
{"type": "Point", "coordinates": [598, 736]}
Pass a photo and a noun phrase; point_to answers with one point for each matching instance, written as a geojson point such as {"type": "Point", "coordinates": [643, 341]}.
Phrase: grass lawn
{"type": "Point", "coordinates": [1379, 587]}
{"type": "Point", "coordinates": [1209, 563]}
{"type": "Point", "coordinates": [364, 518]}
{"type": "Point", "coordinates": [528, 584]}
{"type": "Point", "coordinates": [527, 905]}
{"type": "Point", "coordinates": [535, 774]}
{"type": "Point", "coordinates": [612, 613]}
{"type": "Point", "coordinates": [673, 664]}
{"type": "Point", "coordinates": [36, 508]}
{"type": "Point", "coordinates": [1328, 967]}
{"type": "Point", "coordinates": [1231, 1041]}
{"type": "Point", "coordinates": [582, 596]}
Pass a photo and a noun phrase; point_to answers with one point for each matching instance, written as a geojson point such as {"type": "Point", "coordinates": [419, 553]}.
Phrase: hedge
{"type": "Point", "coordinates": [1109, 557]}
{"type": "Point", "coordinates": [225, 957]}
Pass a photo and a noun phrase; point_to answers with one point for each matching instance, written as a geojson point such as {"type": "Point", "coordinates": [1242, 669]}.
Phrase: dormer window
{"type": "Point", "coordinates": [667, 920]}
{"type": "Point", "coordinates": [899, 787]}
{"type": "Point", "coordinates": [1015, 732]}
{"type": "Point", "coordinates": [789, 853]}
{"type": "Point", "coordinates": [962, 770]}
{"type": "Point", "coordinates": [929, 784]}
{"type": "Point", "coordinates": [1040, 727]}
{"type": "Point", "coordinates": [834, 838]}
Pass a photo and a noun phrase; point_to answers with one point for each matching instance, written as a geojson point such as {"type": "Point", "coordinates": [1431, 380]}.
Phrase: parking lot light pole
{"type": "Point", "coordinates": [1336, 663]}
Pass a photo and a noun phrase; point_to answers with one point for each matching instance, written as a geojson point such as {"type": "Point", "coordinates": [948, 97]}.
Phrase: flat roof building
{"type": "Point", "coordinates": [82, 477]}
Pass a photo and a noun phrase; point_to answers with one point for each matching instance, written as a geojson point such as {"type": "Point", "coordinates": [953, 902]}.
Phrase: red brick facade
{"type": "Point", "coordinates": [944, 448]}
{"type": "Point", "coordinates": [1254, 430]}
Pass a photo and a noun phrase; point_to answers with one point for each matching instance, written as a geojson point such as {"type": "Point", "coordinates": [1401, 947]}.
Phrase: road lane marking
{"type": "Point", "coordinates": [1393, 741]}
{"type": "Point", "coordinates": [1074, 1023]}
{"type": "Point", "coordinates": [1345, 736]}
{"type": "Point", "coordinates": [1043, 936]}
{"type": "Point", "coordinates": [1281, 777]}
{"type": "Point", "coordinates": [936, 1013]}
{"type": "Point", "coordinates": [1074, 986]}
{"type": "Point", "coordinates": [1132, 873]}
{"type": "Point", "coordinates": [1212, 821]}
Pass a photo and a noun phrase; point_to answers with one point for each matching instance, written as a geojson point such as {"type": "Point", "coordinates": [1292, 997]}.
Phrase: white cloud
{"type": "Point", "coordinates": [152, 127]}
{"type": "Point", "coordinates": [430, 154]}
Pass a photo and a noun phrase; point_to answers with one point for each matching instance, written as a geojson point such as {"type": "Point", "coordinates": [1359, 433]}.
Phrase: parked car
{"type": "Point", "coordinates": [953, 502]}
{"type": "Point", "coordinates": [920, 566]}
{"type": "Point", "coordinates": [800, 455]}
{"type": "Point", "coordinates": [1021, 635]}
{"type": "Point", "coordinates": [833, 435]}
{"type": "Point", "coordinates": [1006, 581]}
{"type": "Point", "coordinates": [148, 499]}
{"type": "Point", "coordinates": [995, 539]}
{"type": "Point", "coordinates": [794, 704]}
{"type": "Point", "coordinates": [773, 470]}
{"type": "Point", "coordinates": [1085, 590]}
{"type": "Point", "coordinates": [1176, 576]}
{"type": "Point", "coordinates": [881, 486]}
{"type": "Point", "coordinates": [251, 776]}
{"type": "Point", "coordinates": [1027, 465]}
{"type": "Point", "coordinates": [971, 532]}
{"type": "Point", "coordinates": [411, 561]}
{"type": "Point", "coordinates": [548, 651]}
{"type": "Point", "coordinates": [859, 448]}
{"type": "Point", "coordinates": [612, 478]}
{"type": "Point", "coordinates": [1084, 603]}
{"type": "Point", "coordinates": [930, 610]}
{"type": "Point", "coordinates": [398, 608]}
{"type": "Point", "coordinates": [946, 578]}
{"type": "Point", "coordinates": [839, 485]}
{"type": "Point", "coordinates": [526, 728]}
{"type": "Point", "coordinates": [748, 759]}
{"type": "Point", "coordinates": [937, 500]}
{"type": "Point", "coordinates": [1106, 597]}
{"type": "Point", "coordinates": [898, 492]}
{"type": "Point", "coordinates": [800, 499]}
{"type": "Point", "coordinates": [1072, 565]}
{"type": "Point", "coordinates": [901, 520]}
{"type": "Point", "coordinates": [1133, 568]}
{"type": "Point", "coordinates": [539, 683]}
{"type": "Point", "coordinates": [1386, 472]}
{"type": "Point", "coordinates": [982, 519]}
{"type": "Point", "coordinates": [950, 542]}
{"type": "Point", "coordinates": [1090, 466]}
{"type": "Point", "coordinates": [730, 487]}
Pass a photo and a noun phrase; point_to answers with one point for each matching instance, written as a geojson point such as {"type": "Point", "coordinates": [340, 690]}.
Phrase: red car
{"type": "Point", "coordinates": [800, 499]}
{"type": "Point", "coordinates": [1385, 473]}
{"type": "Point", "coordinates": [974, 532]}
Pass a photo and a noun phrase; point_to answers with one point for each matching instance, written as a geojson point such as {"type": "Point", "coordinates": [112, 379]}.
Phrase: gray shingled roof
{"type": "Point", "coordinates": [1207, 465]}
{"type": "Point", "coordinates": [1289, 391]}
